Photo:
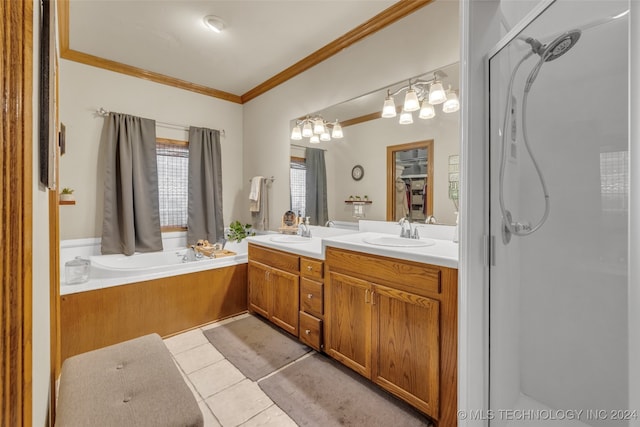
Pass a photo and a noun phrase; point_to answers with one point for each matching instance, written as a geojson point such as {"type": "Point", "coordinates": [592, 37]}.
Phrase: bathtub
{"type": "Point", "coordinates": [114, 270]}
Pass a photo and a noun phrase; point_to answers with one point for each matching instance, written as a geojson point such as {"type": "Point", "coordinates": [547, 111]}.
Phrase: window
{"type": "Point", "coordinates": [173, 166]}
{"type": "Point", "coordinates": [298, 180]}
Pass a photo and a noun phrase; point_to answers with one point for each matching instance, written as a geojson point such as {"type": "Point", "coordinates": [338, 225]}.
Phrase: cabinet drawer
{"type": "Point", "coordinates": [310, 330]}
{"type": "Point", "coordinates": [311, 296]}
{"type": "Point", "coordinates": [274, 258]}
{"type": "Point", "coordinates": [311, 268]}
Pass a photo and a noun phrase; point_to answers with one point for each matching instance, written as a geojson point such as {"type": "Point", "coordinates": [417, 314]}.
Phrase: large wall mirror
{"type": "Point", "coordinates": [368, 138]}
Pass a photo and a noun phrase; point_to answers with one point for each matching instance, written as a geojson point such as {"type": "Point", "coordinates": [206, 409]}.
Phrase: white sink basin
{"type": "Point", "coordinates": [290, 238]}
{"type": "Point", "coordinates": [399, 242]}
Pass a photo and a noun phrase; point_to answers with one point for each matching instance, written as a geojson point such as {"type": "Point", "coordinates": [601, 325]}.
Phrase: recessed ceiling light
{"type": "Point", "coordinates": [214, 23]}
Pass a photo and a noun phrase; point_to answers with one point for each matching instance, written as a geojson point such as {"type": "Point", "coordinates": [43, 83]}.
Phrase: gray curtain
{"type": "Point", "coordinates": [316, 188]}
{"type": "Point", "coordinates": [204, 220]}
{"type": "Point", "coordinates": [131, 208]}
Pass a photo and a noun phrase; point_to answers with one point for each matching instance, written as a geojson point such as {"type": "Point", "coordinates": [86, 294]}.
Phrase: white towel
{"type": "Point", "coordinates": [254, 194]}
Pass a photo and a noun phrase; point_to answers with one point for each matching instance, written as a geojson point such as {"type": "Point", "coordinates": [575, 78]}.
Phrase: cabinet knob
{"type": "Point", "coordinates": [307, 331]}
{"type": "Point", "coordinates": [309, 268]}
{"type": "Point", "coordinates": [309, 296]}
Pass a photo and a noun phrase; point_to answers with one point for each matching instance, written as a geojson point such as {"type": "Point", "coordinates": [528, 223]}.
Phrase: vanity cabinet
{"type": "Point", "coordinates": [311, 302]}
{"type": "Point", "coordinates": [273, 278]}
{"type": "Point", "coordinates": [395, 322]}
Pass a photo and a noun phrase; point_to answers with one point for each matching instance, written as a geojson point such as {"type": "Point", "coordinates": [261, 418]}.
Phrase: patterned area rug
{"type": "Point", "coordinates": [317, 391]}
{"type": "Point", "coordinates": [255, 347]}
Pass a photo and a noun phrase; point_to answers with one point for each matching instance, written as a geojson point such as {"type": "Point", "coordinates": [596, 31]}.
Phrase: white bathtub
{"type": "Point", "coordinates": [114, 270]}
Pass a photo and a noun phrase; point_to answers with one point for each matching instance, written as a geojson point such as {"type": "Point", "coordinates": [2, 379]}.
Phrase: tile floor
{"type": "Point", "coordinates": [226, 397]}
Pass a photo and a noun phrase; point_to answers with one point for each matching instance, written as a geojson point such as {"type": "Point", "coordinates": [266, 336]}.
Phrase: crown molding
{"type": "Point", "coordinates": [387, 17]}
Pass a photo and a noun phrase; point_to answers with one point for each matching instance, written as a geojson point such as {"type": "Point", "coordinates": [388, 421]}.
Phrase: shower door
{"type": "Point", "coordinates": [558, 219]}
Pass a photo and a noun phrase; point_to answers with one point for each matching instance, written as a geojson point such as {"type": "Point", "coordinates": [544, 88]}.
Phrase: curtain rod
{"type": "Point", "coordinates": [102, 112]}
{"type": "Point", "coordinates": [302, 146]}
{"type": "Point", "coordinates": [271, 178]}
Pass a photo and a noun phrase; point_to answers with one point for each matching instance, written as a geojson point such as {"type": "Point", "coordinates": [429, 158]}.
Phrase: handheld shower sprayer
{"type": "Point", "coordinates": [547, 52]}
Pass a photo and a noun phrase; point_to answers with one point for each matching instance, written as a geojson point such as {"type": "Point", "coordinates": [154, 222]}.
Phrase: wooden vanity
{"type": "Point", "coordinates": [393, 321]}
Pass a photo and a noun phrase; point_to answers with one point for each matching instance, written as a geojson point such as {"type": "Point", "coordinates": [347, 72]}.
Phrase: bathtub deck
{"type": "Point", "coordinates": [101, 317]}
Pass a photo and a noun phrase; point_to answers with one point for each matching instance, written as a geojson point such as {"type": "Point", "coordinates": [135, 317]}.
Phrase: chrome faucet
{"type": "Point", "coordinates": [305, 230]}
{"type": "Point", "coordinates": [406, 231]}
{"type": "Point", "coordinates": [431, 220]}
{"type": "Point", "coordinates": [329, 224]}
{"type": "Point", "coordinates": [405, 228]}
{"type": "Point", "coordinates": [191, 255]}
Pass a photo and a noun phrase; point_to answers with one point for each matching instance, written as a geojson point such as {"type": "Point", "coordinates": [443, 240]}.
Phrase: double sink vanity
{"type": "Point", "coordinates": [383, 305]}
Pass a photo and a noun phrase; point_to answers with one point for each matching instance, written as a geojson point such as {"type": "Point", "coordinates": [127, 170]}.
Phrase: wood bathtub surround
{"type": "Point", "coordinates": [95, 319]}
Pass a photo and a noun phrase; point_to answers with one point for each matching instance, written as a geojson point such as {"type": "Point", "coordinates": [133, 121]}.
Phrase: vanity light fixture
{"type": "Point", "coordinates": [452, 104]}
{"type": "Point", "coordinates": [317, 129]}
{"type": "Point", "coordinates": [214, 23]}
{"type": "Point", "coordinates": [406, 118]}
{"type": "Point", "coordinates": [422, 95]}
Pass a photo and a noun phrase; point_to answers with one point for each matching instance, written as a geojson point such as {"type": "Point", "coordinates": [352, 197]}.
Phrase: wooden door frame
{"type": "Point", "coordinates": [16, 208]}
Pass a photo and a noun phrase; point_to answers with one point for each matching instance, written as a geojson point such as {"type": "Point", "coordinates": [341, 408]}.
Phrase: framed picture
{"type": "Point", "coordinates": [47, 135]}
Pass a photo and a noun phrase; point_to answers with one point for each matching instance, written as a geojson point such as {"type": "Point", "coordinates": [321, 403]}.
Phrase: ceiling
{"type": "Point", "coordinates": [262, 38]}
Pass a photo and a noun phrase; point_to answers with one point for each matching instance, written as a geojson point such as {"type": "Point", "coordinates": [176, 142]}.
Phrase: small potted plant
{"type": "Point", "coordinates": [66, 195]}
{"type": "Point", "coordinates": [238, 231]}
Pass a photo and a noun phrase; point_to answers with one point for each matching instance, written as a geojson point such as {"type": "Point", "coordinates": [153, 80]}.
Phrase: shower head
{"type": "Point", "coordinates": [558, 47]}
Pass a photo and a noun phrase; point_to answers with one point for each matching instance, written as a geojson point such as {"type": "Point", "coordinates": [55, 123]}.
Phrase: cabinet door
{"type": "Point", "coordinates": [284, 308]}
{"type": "Point", "coordinates": [405, 333]}
{"type": "Point", "coordinates": [259, 288]}
{"type": "Point", "coordinates": [348, 320]}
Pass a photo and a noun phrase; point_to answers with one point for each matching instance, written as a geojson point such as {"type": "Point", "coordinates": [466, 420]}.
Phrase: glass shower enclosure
{"type": "Point", "coordinates": [559, 185]}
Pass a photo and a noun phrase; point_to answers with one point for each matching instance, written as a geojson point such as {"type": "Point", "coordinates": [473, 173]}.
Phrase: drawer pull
{"type": "Point", "coordinates": [309, 267]}
{"type": "Point", "coordinates": [307, 331]}
{"type": "Point", "coordinates": [309, 296]}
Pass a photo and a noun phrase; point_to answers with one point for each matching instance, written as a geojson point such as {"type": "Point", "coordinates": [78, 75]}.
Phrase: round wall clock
{"type": "Point", "coordinates": [357, 172]}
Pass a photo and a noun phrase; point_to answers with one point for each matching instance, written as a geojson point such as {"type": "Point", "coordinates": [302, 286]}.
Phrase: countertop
{"type": "Point", "coordinates": [438, 252]}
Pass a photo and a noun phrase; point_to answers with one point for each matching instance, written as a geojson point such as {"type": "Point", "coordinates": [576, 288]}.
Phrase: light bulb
{"type": "Point", "coordinates": [318, 126]}
{"type": "Point", "coordinates": [315, 139]}
{"type": "Point", "coordinates": [389, 108]}
{"type": "Point", "coordinates": [452, 104]}
{"type": "Point", "coordinates": [437, 94]}
{"type": "Point", "coordinates": [411, 102]}
{"type": "Point", "coordinates": [307, 132]}
{"type": "Point", "coordinates": [296, 133]}
{"type": "Point", "coordinates": [336, 133]}
{"type": "Point", "coordinates": [427, 111]}
{"type": "Point", "coordinates": [406, 118]}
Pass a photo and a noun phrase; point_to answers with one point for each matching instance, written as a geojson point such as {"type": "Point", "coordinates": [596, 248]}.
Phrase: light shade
{"type": "Point", "coordinates": [214, 23]}
{"type": "Point", "coordinates": [389, 108]}
{"type": "Point", "coordinates": [318, 126]}
{"type": "Point", "coordinates": [296, 133]}
{"type": "Point", "coordinates": [427, 111]}
{"type": "Point", "coordinates": [315, 139]}
{"type": "Point", "coordinates": [437, 94]}
{"type": "Point", "coordinates": [406, 118]}
{"type": "Point", "coordinates": [452, 104]}
{"type": "Point", "coordinates": [337, 131]}
{"type": "Point", "coordinates": [324, 136]}
{"type": "Point", "coordinates": [411, 102]}
{"type": "Point", "coordinates": [307, 131]}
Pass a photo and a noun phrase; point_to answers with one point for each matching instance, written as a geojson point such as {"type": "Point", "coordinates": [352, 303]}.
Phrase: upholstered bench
{"type": "Point", "coordinates": [134, 383]}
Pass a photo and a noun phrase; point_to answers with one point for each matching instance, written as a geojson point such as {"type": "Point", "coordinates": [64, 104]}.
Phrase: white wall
{"type": "Point", "coordinates": [41, 327]}
{"type": "Point", "coordinates": [83, 89]}
{"type": "Point", "coordinates": [422, 41]}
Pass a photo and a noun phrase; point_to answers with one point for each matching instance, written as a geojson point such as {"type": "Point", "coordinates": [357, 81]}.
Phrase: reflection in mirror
{"type": "Point", "coordinates": [367, 138]}
{"type": "Point", "coordinates": [410, 181]}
